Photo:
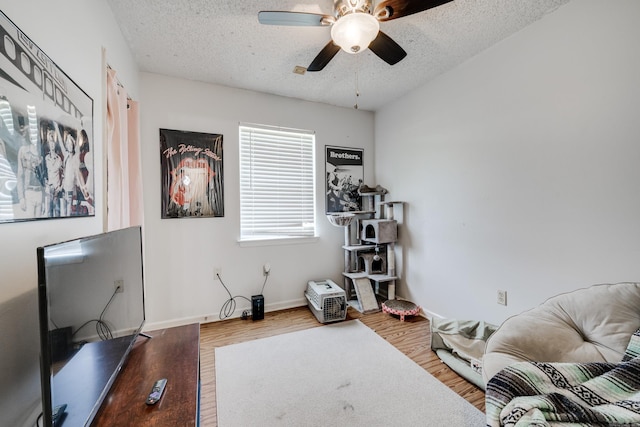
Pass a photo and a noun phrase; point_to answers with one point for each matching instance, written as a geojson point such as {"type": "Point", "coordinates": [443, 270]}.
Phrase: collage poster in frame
{"type": "Point", "coordinates": [344, 175]}
{"type": "Point", "coordinates": [192, 174]}
{"type": "Point", "coordinates": [46, 135]}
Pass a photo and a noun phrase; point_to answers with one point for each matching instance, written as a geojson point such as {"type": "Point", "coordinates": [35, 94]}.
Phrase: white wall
{"type": "Point", "coordinates": [182, 253]}
{"type": "Point", "coordinates": [527, 177]}
{"type": "Point", "coordinates": [72, 34]}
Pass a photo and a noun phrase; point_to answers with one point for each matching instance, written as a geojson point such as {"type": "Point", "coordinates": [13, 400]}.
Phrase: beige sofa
{"type": "Point", "coordinates": [587, 325]}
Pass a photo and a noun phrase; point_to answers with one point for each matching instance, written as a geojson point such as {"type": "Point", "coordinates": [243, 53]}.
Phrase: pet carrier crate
{"type": "Point", "coordinates": [327, 301]}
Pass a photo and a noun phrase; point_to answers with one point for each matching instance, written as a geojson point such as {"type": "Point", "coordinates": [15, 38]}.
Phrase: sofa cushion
{"type": "Point", "coordinates": [592, 324]}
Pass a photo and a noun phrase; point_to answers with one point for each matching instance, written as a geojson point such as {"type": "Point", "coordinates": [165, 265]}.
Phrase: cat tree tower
{"type": "Point", "coordinates": [369, 257]}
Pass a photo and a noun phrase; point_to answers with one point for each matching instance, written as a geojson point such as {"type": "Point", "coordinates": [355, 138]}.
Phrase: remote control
{"type": "Point", "coordinates": [156, 392]}
{"type": "Point", "coordinates": [58, 413]}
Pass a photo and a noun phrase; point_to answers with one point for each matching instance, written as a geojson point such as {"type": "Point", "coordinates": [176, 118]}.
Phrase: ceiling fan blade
{"type": "Point", "coordinates": [295, 18]}
{"type": "Point", "coordinates": [387, 49]}
{"type": "Point", "coordinates": [393, 9]}
{"type": "Point", "coordinates": [322, 59]}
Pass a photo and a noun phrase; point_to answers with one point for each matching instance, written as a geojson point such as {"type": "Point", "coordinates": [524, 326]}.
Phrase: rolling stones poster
{"type": "Point", "coordinates": [344, 175]}
{"type": "Point", "coordinates": [192, 174]}
{"type": "Point", "coordinates": [46, 135]}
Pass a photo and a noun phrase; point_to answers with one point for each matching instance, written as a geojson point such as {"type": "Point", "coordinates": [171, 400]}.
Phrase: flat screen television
{"type": "Point", "coordinates": [91, 308]}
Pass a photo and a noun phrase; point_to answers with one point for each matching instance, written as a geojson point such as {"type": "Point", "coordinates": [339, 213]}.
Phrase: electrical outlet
{"type": "Point", "coordinates": [502, 297]}
{"type": "Point", "coordinates": [118, 286]}
{"type": "Point", "coordinates": [266, 269]}
{"type": "Point", "coordinates": [217, 271]}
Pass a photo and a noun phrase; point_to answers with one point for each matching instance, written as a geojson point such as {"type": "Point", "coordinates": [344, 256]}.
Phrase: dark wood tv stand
{"type": "Point", "coordinates": [172, 353]}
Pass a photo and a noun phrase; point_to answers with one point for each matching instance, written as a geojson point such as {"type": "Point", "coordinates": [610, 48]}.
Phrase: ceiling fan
{"type": "Point", "coordinates": [355, 26]}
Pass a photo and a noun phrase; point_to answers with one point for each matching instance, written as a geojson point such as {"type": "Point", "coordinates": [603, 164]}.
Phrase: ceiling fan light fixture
{"type": "Point", "coordinates": [355, 31]}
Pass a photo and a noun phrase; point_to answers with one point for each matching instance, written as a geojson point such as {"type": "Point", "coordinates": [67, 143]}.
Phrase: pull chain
{"type": "Point", "coordinates": [357, 89]}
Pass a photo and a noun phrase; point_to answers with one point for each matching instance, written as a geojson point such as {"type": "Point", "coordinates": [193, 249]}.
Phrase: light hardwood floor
{"type": "Point", "coordinates": [412, 337]}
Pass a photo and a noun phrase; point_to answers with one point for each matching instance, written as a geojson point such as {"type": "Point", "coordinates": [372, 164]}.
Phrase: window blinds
{"type": "Point", "coordinates": [276, 183]}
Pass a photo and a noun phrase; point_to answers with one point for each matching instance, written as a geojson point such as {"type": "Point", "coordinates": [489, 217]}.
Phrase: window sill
{"type": "Point", "coordinates": [278, 241]}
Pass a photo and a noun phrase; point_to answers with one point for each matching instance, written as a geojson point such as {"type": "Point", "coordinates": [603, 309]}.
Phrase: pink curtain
{"type": "Point", "coordinates": [124, 174]}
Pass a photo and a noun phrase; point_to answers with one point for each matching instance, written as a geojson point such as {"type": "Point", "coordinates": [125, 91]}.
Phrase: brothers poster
{"type": "Point", "coordinates": [344, 175]}
{"type": "Point", "coordinates": [192, 174]}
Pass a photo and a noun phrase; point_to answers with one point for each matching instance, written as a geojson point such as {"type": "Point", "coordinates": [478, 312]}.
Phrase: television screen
{"type": "Point", "coordinates": [91, 303]}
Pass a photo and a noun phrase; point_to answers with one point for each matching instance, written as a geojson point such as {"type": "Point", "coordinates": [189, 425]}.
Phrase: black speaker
{"type": "Point", "coordinates": [257, 307]}
{"type": "Point", "coordinates": [60, 343]}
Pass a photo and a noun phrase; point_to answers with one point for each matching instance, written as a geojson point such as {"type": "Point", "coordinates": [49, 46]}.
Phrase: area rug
{"type": "Point", "coordinates": [342, 374]}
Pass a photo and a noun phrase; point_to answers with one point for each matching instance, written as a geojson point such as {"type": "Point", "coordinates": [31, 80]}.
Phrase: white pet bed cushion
{"type": "Point", "coordinates": [587, 325]}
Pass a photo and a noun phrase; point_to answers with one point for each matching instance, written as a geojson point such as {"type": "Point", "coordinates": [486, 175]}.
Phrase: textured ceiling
{"type": "Point", "coordinates": [221, 41]}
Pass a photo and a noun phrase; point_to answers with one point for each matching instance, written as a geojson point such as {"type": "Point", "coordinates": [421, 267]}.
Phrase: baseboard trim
{"type": "Point", "coordinates": [430, 314]}
{"type": "Point", "coordinates": [215, 317]}
{"type": "Point", "coordinates": [208, 318]}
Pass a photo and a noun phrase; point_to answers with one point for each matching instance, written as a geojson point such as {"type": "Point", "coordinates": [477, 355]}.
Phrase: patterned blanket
{"type": "Point", "coordinates": [565, 394]}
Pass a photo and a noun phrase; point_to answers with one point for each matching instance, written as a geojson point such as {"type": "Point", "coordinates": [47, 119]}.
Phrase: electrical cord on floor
{"type": "Point", "coordinates": [230, 305]}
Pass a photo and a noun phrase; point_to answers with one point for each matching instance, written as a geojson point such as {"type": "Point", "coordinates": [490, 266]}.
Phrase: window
{"type": "Point", "coordinates": [276, 183]}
